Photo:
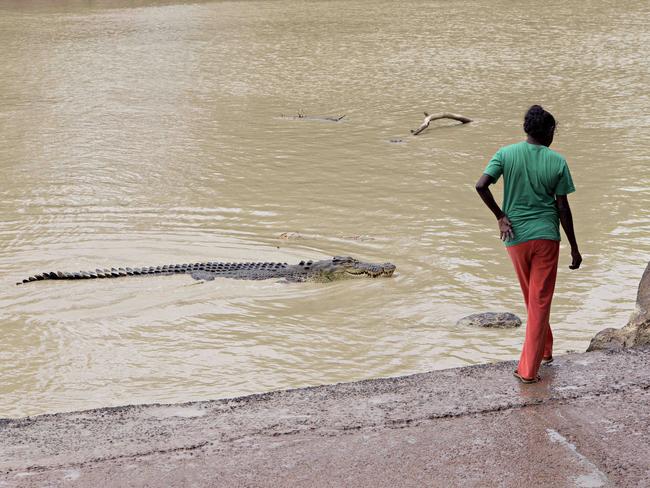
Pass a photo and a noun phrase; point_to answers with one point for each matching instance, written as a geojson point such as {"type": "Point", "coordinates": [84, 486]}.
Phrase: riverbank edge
{"type": "Point", "coordinates": [107, 440]}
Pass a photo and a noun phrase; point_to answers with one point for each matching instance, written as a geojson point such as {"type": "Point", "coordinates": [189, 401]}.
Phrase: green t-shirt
{"type": "Point", "coordinates": [532, 176]}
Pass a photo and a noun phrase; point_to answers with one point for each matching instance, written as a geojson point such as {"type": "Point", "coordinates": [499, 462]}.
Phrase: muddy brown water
{"type": "Point", "coordinates": [146, 133]}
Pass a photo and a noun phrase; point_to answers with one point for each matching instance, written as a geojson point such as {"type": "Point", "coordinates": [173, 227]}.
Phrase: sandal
{"type": "Point", "coordinates": [525, 380]}
{"type": "Point", "coordinates": [548, 360]}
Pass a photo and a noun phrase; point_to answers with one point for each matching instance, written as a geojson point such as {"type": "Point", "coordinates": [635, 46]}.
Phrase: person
{"type": "Point", "coordinates": [536, 184]}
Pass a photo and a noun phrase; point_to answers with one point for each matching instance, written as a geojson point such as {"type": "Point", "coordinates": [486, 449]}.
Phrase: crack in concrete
{"type": "Point", "coordinates": [136, 455]}
{"type": "Point", "coordinates": [514, 406]}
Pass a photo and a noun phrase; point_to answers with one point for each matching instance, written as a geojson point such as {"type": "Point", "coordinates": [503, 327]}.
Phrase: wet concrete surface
{"type": "Point", "coordinates": [587, 424]}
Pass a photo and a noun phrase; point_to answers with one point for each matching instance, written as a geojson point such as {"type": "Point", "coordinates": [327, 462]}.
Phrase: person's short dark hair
{"type": "Point", "coordinates": [539, 123]}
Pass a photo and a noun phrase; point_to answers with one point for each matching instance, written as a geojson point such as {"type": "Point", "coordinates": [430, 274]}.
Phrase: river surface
{"type": "Point", "coordinates": [146, 133]}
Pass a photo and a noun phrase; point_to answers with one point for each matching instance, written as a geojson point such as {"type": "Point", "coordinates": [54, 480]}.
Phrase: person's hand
{"type": "Point", "coordinates": [576, 259]}
{"type": "Point", "coordinates": [505, 229]}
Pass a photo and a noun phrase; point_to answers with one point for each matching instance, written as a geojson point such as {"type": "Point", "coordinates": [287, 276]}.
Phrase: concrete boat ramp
{"type": "Point", "coordinates": [587, 424]}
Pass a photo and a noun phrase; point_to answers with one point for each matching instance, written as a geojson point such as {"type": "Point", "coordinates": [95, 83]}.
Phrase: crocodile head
{"type": "Point", "coordinates": [340, 267]}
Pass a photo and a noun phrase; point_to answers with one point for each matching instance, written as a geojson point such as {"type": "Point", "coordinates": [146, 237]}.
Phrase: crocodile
{"type": "Point", "coordinates": [325, 270]}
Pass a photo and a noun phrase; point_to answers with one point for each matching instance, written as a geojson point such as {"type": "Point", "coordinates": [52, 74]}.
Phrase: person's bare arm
{"type": "Point", "coordinates": [483, 189]}
{"type": "Point", "coordinates": [566, 219]}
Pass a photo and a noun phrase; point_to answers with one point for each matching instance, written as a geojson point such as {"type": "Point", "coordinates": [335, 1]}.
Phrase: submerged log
{"type": "Point", "coordinates": [429, 118]}
{"type": "Point", "coordinates": [301, 116]}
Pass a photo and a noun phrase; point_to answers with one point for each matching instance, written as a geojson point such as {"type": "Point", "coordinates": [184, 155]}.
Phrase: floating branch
{"type": "Point", "coordinates": [429, 118]}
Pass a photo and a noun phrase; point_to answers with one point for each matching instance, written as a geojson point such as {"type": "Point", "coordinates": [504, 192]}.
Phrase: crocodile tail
{"type": "Point", "coordinates": [116, 272]}
{"type": "Point", "coordinates": [79, 275]}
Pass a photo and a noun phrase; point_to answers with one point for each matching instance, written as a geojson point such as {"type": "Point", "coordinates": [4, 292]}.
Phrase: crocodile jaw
{"type": "Point", "coordinates": [371, 270]}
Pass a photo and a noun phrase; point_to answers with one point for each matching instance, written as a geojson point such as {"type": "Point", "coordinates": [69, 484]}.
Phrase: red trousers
{"type": "Point", "coordinates": [536, 265]}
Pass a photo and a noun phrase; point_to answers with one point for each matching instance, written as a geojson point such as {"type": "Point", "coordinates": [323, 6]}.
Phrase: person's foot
{"type": "Point", "coordinates": [547, 360]}
{"type": "Point", "coordinates": [525, 380]}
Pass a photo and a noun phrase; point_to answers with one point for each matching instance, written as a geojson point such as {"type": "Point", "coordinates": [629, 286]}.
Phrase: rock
{"type": "Point", "coordinates": [496, 320]}
{"type": "Point", "coordinates": [637, 330]}
{"type": "Point", "coordinates": [609, 339]}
